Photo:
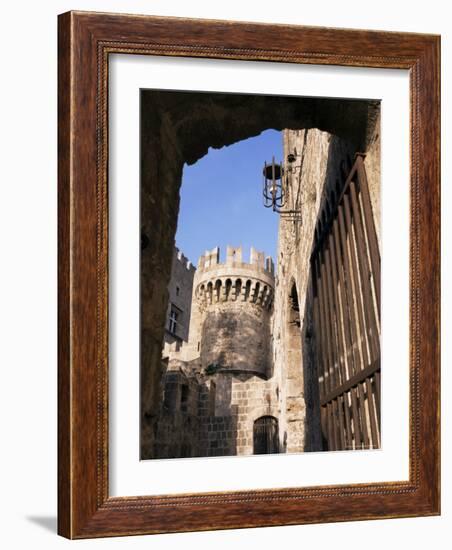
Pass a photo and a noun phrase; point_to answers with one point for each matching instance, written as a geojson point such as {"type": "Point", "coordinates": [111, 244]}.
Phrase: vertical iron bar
{"type": "Point", "coordinates": [377, 395]}
{"type": "Point", "coordinates": [357, 296]}
{"type": "Point", "coordinates": [374, 429]}
{"type": "Point", "coordinates": [370, 228]}
{"type": "Point", "coordinates": [320, 334]}
{"type": "Point", "coordinates": [323, 345]}
{"type": "Point", "coordinates": [317, 330]}
{"type": "Point", "coordinates": [369, 311]}
{"type": "Point", "coordinates": [330, 347]}
{"type": "Point", "coordinates": [335, 336]}
{"type": "Point", "coordinates": [327, 375]}
{"type": "Point", "coordinates": [351, 325]}
{"type": "Point", "coordinates": [337, 291]}
{"type": "Point", "coordinates": [348, 422]}
{"type": "Point", "coordinates": [364, 268]}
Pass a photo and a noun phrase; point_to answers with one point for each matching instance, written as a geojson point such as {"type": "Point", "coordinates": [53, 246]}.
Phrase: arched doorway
{"type": "Point", "coordinates": [265, 435]}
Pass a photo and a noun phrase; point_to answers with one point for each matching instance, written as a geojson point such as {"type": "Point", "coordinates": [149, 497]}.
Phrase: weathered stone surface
{"type": "Point", "coordinates": [320, 163]}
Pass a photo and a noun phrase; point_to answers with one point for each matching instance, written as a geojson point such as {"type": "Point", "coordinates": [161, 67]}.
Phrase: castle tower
{"type": "Point", "coordinates": [232, 304]}
{"type": "Point", "coordinates": [221, 395]}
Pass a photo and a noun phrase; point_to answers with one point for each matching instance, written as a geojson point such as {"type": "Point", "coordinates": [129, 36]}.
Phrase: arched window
{"type": "Point", "coordinates": [228, 287]}
{"type": "Point", "coordinates": [217, 290]}
{"type": "Point", "coordinates": [264, 295]}
{"type": "Point", "coordinates": [265, 435]}
{"type": "Point", "coordinates": [247, 289]}
{"type": "Point", "coordinates": [238, 288]}
{"type": "Point", "coordinates": [294, 308]}
{"type": "Point", "coordinates": [210, 292]}
{"type": "Point", "coordinates": [256, 292]}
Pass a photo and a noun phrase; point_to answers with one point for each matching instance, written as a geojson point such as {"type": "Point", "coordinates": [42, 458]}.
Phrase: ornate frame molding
{"type": "Point", "coordinates": [85, 42]}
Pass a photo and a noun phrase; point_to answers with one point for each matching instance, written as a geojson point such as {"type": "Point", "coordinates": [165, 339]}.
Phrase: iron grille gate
{"type": "Point", "coordinates": [346, 293]}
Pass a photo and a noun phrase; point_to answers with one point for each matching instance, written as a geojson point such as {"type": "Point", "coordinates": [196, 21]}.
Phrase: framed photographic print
{"type": "Point", "coordinates": [248, 275]}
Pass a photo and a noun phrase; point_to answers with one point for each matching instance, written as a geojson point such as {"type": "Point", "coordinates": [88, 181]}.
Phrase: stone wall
{"type": "Point", "coordinates": [321, 159]}
{"type": "Point", "coordinates": [216, 417]}
{"type": "Point", "coordinates": [236, 337]}
{"type": "Point", "coordinates": [179, 422]}
{"type": "Point", "coordinates": [220, 382]}
{"type": "Point", "coordinates": [373, 172]}
{"type": "Point", "coordinates": [180, 290]}
{"type": "Point", "coordinates": [196, 417]}
{"type": "Point", "coordinates": [318, 163]}
{"type": "Point", "coordinates": [253, 398]}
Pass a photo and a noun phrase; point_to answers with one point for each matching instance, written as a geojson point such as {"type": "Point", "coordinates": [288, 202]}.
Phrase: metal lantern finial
{"type": "Point", "coordinates": [274, 186]}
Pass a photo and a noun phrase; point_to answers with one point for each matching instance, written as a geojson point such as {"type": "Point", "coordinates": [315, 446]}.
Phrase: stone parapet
{"type": "Point", "coordinates": [210, 260]}
{"type": "Point", "coordinates": [184, 261]}
{"type": "Point", "coordinates": [235, 280]}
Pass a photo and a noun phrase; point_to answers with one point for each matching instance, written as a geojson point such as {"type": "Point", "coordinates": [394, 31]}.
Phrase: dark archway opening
{"type": "Point", "coordinates": [265, 435]}
{"type": "Point", "coordinates": [293, 332]}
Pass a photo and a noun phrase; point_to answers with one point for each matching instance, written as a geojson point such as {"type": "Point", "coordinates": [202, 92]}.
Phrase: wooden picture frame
{"type": "Point", "coordinates": [85, 42]}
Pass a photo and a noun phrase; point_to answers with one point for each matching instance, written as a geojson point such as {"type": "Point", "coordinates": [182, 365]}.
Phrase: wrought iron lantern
{"type": "Point", "coordinates": [275, 185]}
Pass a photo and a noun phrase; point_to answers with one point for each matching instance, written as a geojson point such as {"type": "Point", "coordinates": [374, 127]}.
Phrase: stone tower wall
{"type": "Point", "coordinates": [232, 306]}
{"type": "Point", "coordinates": [180, 289]}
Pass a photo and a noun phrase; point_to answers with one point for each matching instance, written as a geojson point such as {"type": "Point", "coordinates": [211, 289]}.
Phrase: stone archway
{"type": "Point", "coordinates": [179, 128]}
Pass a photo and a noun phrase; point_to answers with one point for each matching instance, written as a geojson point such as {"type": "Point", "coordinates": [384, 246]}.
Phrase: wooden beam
{"type": "Point", "coordinates": [352, 382]}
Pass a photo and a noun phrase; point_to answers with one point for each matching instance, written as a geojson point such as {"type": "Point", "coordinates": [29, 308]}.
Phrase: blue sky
{"type": "Point", "coordinates": [221, 199]}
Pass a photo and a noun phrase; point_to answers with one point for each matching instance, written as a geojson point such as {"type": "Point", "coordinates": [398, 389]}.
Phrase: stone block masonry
{"type": "Point", "coordinates": [221, 381]}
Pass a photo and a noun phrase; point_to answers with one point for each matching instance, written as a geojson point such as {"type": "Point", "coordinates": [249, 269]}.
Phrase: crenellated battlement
{"type": "Point", "coordinates": [235, 280]}
{"type": "Point", "coordinates": [184, 261]}
{"type": "Point", "coordinates": [234, 258]}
